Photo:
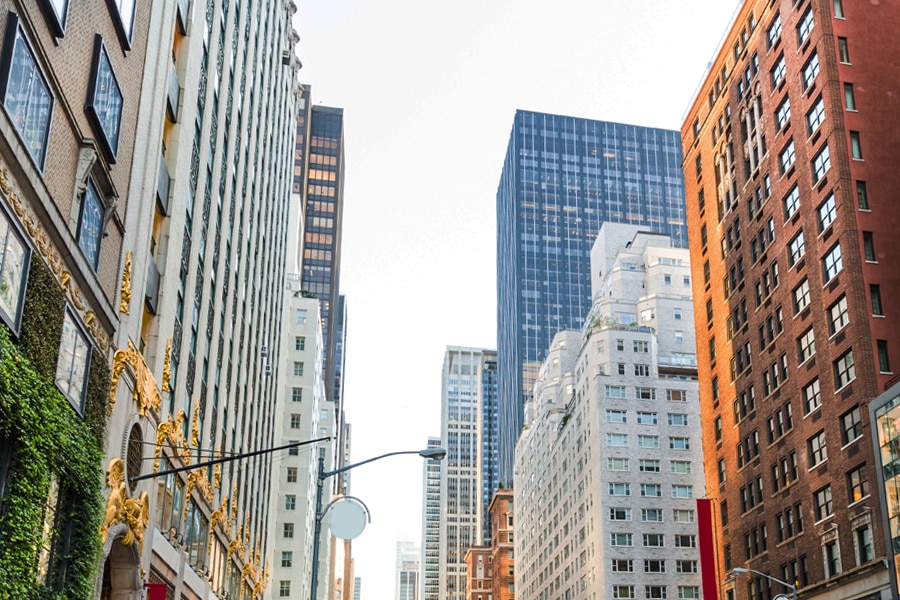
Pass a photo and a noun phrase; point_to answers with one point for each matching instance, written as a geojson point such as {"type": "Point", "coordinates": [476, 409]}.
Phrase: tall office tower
{"type": "Point", "coordinates": [791, 178]}
{"type": "Point", "coordinates": [563, 178]}
{"type": "Point", "coordinates": [465, 388]}
{"type": "Point", "coordinates": [489, 431]}
{"type": "Point", "coordinates": [610, 458]}
{"type": "Point", "coordinates": [319, 173]}
{"type": "Point", "coordinates": [208, 294]}
{"type": "Point", "coordinates": [78, 123]}
{"type": "Point", "coordinates": [303, 416]}
{"type": "Point", "coordinates": [431, 527]}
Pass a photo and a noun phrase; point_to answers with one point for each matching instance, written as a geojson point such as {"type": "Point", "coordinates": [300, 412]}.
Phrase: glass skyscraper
{"type": "Point", "coordinates": [563, 177]}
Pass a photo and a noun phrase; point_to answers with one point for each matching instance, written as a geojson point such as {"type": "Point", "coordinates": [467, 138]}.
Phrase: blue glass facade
{"type": "Point", "coordinates": [563, 177]}
{"type": "Point", "coordinates": [490, 468]}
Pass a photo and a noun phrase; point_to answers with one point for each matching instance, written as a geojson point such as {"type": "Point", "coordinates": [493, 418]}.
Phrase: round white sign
{"type": "Point", "coordinates": [347, 519]}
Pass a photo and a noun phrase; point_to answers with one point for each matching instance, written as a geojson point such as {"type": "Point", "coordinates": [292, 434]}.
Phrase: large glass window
{"type": "Point", "coordinates": [786, 157]}
{"type": "Point", "coordinates": [791, 202]}
{"type": "Point", "coordinates": [73, 364]}
{"type": "Point", "coordinates": [815, 116]}
{"type": "Point", "coordinates": [90, 224]}
{"type": "Point", "coordinates": [810, 70]}
{"type": "Point", "coordinates": [806, 26]}
{"type": "Point", "coordinates": [15, 256]}
{"type": "Point", "coordinates": [26, 95]}
{"type": "Point", "coordinates": [783, 112]}
{"type": "Point", "coordinates": [105, 100]}
{"type": "Point", "coordinates": [833, 263]}
{"type": "Point", "coordinates": [778, 71]}
{"type": "Point", "coordinates": [55, 12]}
{"type": "Point", "coordinates": [827, 212]}
{"type": "Point", "coordinates": [821, 163]}
{"type": "Point", "coordinates": [124, 19]}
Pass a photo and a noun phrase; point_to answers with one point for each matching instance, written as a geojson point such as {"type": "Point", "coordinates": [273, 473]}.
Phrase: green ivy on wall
{"type": "Point", "coordinates": [49, 439]}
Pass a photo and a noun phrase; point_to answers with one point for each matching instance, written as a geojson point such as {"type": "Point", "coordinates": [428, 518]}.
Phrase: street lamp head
{"type": "Point", "coordinates": [739, 570]}
{"type": "Point", "coordinates": [434, 453]}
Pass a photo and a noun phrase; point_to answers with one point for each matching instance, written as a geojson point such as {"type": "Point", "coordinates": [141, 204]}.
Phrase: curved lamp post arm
{"type": "Point", "coordinates": [344, 469]}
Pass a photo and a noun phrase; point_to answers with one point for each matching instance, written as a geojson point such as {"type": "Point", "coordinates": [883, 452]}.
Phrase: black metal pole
{"type": "Point", "coordinates": [226, 459]}
{"type": "Point", "coordinates": [320, 482]}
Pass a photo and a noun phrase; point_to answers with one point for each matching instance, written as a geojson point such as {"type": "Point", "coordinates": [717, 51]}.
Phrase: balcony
{"type": "Point", "coordinates": [172, 96]}
{"type": "Point", "coordinates": [162, 187]}
{"type": "Point", "coordinates": [151, 293]}
{"type": "Point", "coordinates": [182, 16]}
{"type": "Point", "coordinates": [679, 364]}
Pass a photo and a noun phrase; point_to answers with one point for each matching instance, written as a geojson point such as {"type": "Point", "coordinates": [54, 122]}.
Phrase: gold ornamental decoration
{"type": "Point", "coordinates": [146, 395]}
{"type": "Point", "coordinates": [126, 285]}
{"type": "Point", "coordinates": [217, 470]}
{"type": "Point", "coordinates": [120, 508]}
{"type": "Point", "coordinates": [167, 367]}
{"type": "Point", "coordinates": [54, 259]}
{"type": "Point", "coordinates": [173, 431]}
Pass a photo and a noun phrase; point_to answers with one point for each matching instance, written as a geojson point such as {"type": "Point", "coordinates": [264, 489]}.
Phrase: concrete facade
{"type": "Point", "coordinates": [789, 172]}
{"type": "Point", "coordinates": [609, 463]}
{"type": "Point", "coordinates": [431, 527]}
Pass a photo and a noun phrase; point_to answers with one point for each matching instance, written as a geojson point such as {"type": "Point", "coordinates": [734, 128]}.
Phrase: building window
{"type": "Point", "coordinates": [616, 440]}
{"type": "Point", "coordinates": [619, 514]}
{"type": "Point", "coordinates": [296, 394]}
{"type": "Point", "coordinates": [620, 539]}
{"type": "Point", "coordinates": [655, 566]}
{"type": "Point", "coordinates": [619, 489]}
{"type": "Point", "coordinates": [26, 95]}
{"type": "Point", "coordinates": [861, 196]}
{"type": "Point", "coordinates": [648, 465]}
{"type": "Point", "coordinates": [824, 506]}
{"type": "Point", "coordinates": [783, 112]}
{"type": "Point", "coordinates": [875, 295]}
{"type": "Point", "coordinates": [805, 27]}
{"type": "Point", "coordinates": [680, 467]}
{"type": "Point", "coordinates": [685, 541]}
{"type": "Point", "coordinates": [810, 71]}
{"type": "Point", "coordinates": [677, 314]}
{"type": "Point", "coordinates": [299, 343]}
{"type": "Point", "coordinates": [655, 591]}
{"type": "Point", "coordinates": [801, 296]}
{"type": "Point", "coordinates": [679, 443]}
{"type": "Point", "coordinates": [865, 550]}
{"type": "Point", "coordinates": [686, 566]}
{"type": "Point", "coordinates": [839, 9]}
{"type": "Point", "coordinates": [855, 145]}
{"type": "Point", "coordinates": [290, 502]}
{"type": "Point", "coordinates": [647, 418]}
{"type": "Point", "coordinates": [851, 426]}
{"type": "Point", "coordinates": [300, 316]}
{"type": "Point", "coordinates": [298, 369]}
{"type": "Point", "coordinates": [678, 419]}
{"type": "Point", "coordinates": [648, 442]}
{"type": "Point", "coordinates": [844, 370]}
{"type": "Point", "coordinates": [124, 19]}
{"type": "Point", "coordinates": [786, 157]}
{"type": "Point", "coordinates": [55, 12]}
{"type": "Point", "coordinates": [15, 258]}
{"type": "Point", "coordinates": [818, 451]}
{"type": "Point", "coordinates": [796, 249]}
{"type": "Point", "coordinates": [832, 556]}
{"type": "Point", "coordinates": [838, 316]}
{"type": "Point", "coordinates": [676, 396]}
{"type": "Point", "coordinates": [843, 50]}
{"type": "Point", "coordinates": [284, 589]}
{"type": "Point", "coordinates": [821, 163]}
{"type": "Point", "coordinates": [616, 416]}
{"type": "Point", "coordinates": [292, 474]}
{"type": "Point", "coordinates": [811, 396]}
{"type": "Point", "coordinates": [778, 71]}
{"type": "Point", "coordinates": [623, 592]}
{"type": "Point", "coordinates": [806, 346]}
{"type": "Point", "coordinates": [105, 101]}
{"type": "Point", "coordinates": [791, 202]}
{"type": "Point", "coordinates": [827, 213]}
{"type": "Point", "coordinates": [833, 263]}
{"type": "Point", "coordinates": [288, 531]}
{"type": "Point", "coordinates": [295, 421]}
{"type": "Point", "coordinates": [73, 364]}
{"type": "Point", "coordinates": [884, 361]}
{"type": "Point", "coordinates": [849, 97]}
{"type": "Point", "coordinates": [642, 370]}
{"type": "Point", "coordinates": [682, 491]}
{"type": "Point", "coordinates": [617, 464]}
{"type": "Point", "coordinates": [651, 490]}
{"type": "Point", "coordinates": [615, 391]}
{"type": "Point", "coordinates": [858, 483]}
{"type": "Point", "coordinates": [688, 591]}
{"type": "Point", "coordinates": [653, 540]}
{"type": "Point", "coordinates": [621, 565]}
{"type": "Point", "coordinates": [90, 224]}
{"type": "Point", "coordinates": [287, 559]}
{"type": "Point", "coordinates": [652, 515]}
{"type": "Point", "coordinates": [815, 116]}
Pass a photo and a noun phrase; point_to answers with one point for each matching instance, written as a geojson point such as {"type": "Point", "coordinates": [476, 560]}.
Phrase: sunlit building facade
{"type": "Point", "coordinates": [564, 177]}
{"type": "Point", "coordinates": [430, 566]}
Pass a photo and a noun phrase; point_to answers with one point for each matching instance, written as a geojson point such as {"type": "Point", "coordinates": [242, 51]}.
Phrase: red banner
{"type": "Point", "coordinates": [707, 549]}
{"type": "Point", "coordinates": [156, 591]}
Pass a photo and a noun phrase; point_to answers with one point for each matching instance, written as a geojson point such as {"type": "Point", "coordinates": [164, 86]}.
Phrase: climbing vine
{"type": "Point", "coordinates": [47, 439]}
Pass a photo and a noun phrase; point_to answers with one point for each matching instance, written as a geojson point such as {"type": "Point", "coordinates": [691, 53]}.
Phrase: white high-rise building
{"type": "Point", "coordinates": [407, 575]}
{"type": "Point", "coordinates": [610, 461]}
{"type": "Point", "coordinates": [431, 527]}
{"type": "Point", "coordinates": [463, 395]}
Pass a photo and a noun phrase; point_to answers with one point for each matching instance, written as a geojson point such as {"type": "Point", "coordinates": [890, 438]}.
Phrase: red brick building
{"type": "Point", "coordinates": [790, 180]}
{"type": "Point", "coordinates": [479, 573]}
{"type": "Point", "coordinates": [502, 557]}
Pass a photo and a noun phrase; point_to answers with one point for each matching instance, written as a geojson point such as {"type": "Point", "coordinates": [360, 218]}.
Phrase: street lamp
{"type": "Point", "coordinates": [738, 570]}
{"type": "Point", "coordinates": [430, 453]}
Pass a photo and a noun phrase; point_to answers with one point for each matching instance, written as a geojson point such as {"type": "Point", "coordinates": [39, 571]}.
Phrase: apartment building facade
{"type": "Point", "coordinates": [789, 178]}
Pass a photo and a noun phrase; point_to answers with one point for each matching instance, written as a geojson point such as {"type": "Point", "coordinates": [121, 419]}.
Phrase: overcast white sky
{"type": "Point", "coordinates": [429, 91]}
